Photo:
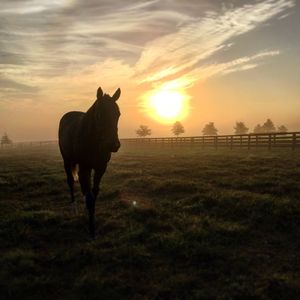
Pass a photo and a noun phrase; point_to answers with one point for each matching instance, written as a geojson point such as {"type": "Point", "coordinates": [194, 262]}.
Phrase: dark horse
{"type": "Point", "coordinates": [87, 140]}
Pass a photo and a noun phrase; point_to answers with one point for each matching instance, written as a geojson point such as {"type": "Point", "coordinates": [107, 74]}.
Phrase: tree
{"type": "Point", "coordinates": [258, 129]}
{"type": "Point", "coordinates": [177, 128]}
{"type": "Point", "coordinates": [282, 128]}
{"type": "Point", "coordinates": [268, 126]}
{"type": "Point", "coordinates": [143, 131]}
{"type": "Point", "coordinates": [5, 140]}
{"type": "Point", "coordinates": [210, 129]}
{"type": "Point", "coordinates": [240, 128]}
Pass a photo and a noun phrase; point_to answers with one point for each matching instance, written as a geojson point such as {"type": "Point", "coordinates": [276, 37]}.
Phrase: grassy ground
{"type": "Point", "coordinates": [206, 225]}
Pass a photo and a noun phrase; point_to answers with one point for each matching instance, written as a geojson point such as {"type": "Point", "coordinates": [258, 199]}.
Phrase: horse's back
{"type": "Point", "coordinates": [68, 132]}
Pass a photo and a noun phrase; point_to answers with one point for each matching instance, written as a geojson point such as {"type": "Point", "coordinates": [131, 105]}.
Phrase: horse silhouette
{"type": "Point", "coordinates": [87, 140]}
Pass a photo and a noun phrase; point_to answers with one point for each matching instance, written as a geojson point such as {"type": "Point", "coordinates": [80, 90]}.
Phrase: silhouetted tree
{"type": "Point", "coordinates": [5, 140]}
{"type": "Point", "coordinates": [143, 131]}
{"type": "Point", "coordinates": [282, 128]}
{"type": "Point", "coordinates": [268, 126]}
{"type": "Point", "coordinates": [258, 129]}
{"type": "Point", "coordinates": [240, 128]}
{"type": "Point", "coordinates": [210, 129]}
{"type": "Point", "coordinates": [177, 128]}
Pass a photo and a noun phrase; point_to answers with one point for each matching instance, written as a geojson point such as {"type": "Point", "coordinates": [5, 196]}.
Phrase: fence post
{"type": "Point", "coordinates": [249, 141]}
{"type": "Point", "coordinates": [270, 141]}
{"type": "Point", "coordinates": [231, 142]}
{"type": "Point", "coordinates": [216, 142]}
{"type": "Point", "coordinates": [294, 141]}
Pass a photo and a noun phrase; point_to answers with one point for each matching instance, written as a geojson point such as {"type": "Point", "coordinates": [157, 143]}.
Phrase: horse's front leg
{"type": "Point", "coordinates": [85, 183]}
{"type": "Point", "coordinates": [97, 178]}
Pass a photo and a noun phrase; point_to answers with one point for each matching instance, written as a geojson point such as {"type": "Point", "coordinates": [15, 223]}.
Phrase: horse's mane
{"type": "Point", "coordinates": [89, 120]}
{"type": "Point", "coordinates": [92, 109]}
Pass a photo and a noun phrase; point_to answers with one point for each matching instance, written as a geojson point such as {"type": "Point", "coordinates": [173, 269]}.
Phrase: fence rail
{"type": "Point", "coordinates": [28, 144]}
{"type": "Point", "coordinates": [270, 141]}
{"type": "Point", "coordinates": [262, 140]}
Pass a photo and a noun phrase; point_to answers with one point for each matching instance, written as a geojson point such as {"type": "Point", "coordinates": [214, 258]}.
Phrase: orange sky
{"type": "Point", "coordinates": [234, 62]}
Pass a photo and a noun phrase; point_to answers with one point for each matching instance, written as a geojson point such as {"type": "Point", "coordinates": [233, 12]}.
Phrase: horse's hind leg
{"type": "Point", "coordinates": [70, 179]}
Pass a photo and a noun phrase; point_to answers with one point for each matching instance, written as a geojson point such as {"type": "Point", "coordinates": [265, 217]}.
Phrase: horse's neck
{"type": "Point", "coordinates": [87, 128]}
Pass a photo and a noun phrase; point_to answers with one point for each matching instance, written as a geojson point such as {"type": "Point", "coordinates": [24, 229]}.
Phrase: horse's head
{"type": "Point", "coordinates": [107, 117]}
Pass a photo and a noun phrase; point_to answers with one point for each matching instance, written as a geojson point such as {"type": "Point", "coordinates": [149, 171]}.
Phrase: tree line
{"type": "Point", "coordinates": [210, 129]}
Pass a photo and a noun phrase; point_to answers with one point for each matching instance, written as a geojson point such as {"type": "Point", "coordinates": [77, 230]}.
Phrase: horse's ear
{"type": "Point", "coordinates": [117, 94]}
{"type": "Point", "coordinates": [99, 93]}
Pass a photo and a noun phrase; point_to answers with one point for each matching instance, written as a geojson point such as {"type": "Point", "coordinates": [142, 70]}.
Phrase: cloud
{"type": "Point", "coordinates": [11, 85]}
{"type": "Point", "coordinates": [66, 46]}
{"type": "Point", "coordinates": [11, 90]}
{"type": "Point", "coordinates": [10, 58]}
{"type": "Point", "coordinates": [200, 39]}
{"type": "Point", "coordinates": [218, 69]}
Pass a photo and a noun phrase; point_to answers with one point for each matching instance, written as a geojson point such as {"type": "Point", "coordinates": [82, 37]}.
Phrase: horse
{"type": "Point", "coordinates": [87, 140]}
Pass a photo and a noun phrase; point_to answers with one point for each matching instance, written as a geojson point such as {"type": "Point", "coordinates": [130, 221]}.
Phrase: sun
{"type": "Point", "coordinates": [167, 105]}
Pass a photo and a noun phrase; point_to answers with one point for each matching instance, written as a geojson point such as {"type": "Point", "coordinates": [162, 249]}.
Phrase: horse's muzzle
{"type": "Point", "coordinates": [115, 147]}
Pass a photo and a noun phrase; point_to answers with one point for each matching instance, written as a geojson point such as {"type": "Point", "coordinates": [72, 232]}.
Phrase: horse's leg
{"type": "Point", "coordinates": [97, 178]}
{"type": "Point", "coordinates": [85, 183]}
{"type": "Point", "coordinates": [70, 179]}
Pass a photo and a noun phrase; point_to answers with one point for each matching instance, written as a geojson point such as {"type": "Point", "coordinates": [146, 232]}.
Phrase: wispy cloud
{"type": "Point", "coordinates": [66, 46]}
{"type": "Point", "coordinates": [218, 69]}
{"type": "Point", "coordinates": [195, 41]}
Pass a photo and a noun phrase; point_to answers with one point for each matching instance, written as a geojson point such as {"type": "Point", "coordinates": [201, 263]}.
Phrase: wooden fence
{"type": "Point", "coordinates": [290, 140]}
{"type": "Point", "coordinates": [28, 144]}
{"type": "Point", "coordinates": [269, 141]}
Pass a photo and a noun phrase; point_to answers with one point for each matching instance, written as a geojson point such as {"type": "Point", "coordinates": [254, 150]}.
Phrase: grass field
{"type": "Point", "coordinates": [206, 225]}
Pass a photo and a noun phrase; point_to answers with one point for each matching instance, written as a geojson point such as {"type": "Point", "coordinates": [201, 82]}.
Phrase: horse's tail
{"type": "Point", "coordinates": [75, 172]}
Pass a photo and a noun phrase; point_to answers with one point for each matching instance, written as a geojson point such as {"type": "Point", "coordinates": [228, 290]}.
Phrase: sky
{"type": "Point", "coordinates": [234, 60]}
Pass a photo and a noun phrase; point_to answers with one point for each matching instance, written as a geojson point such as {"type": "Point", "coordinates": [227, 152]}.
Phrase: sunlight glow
{"type": "Point", "coordinates": [167, 105]}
